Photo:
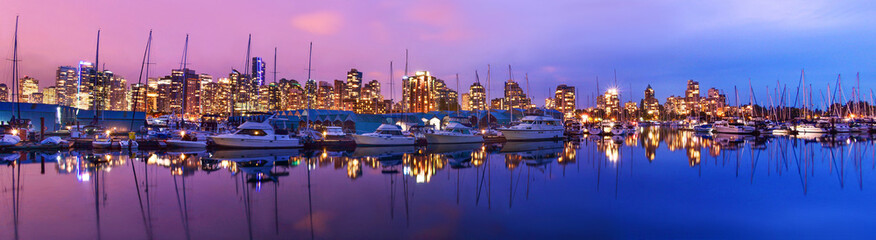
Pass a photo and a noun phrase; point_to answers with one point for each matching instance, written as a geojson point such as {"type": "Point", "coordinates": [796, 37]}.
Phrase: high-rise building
{"type": "Point", "coordinates": [419, 92]}
{"type": "Point", "coordinates": [310, 94]}
{"type": "Point", "coordinates": [65, 84]}
{"type": "Point", "coordinates": [477, 100]}
{"type": "Point", "coordinates": [258, 72]}
{"type": "Point", "coordinates": [650, 104]}
{"type": "Point", "coordinates": [465, 102]}
{"type": "Point", "coordinates": [50, 95]}
{"type": "Point", "coordinates": [79, 92]}
{"type": "Point", "coordinates": [448, 99]}
{"type": "Point", "coordinates": [676, 105]}
{"type": "Point", "coordinates": [498, 103]}
{"type": "Point", "coordinates": [27, 86]}
{"type": "Point", "coordinates": [550, 103]}
{"type": "Point", "coordinates": [139, 92]}
{"type": "Point", "coordinates": [609, 102]}
{"type": "Point", "coordinates": [222, 97]}
{"type": "Point", "coordinates": [100, 90]}
{"type": "Point", "coordinates": [275, 98]}
{"type": "Point", "coordinates": [210, 97]}
{"type": "Point", "coordinates": [181, 91]}
{"type": "Point", "coordinates": [166, 91]}
{"type": "Point", "coordinates": [631, 109]}
{"type": "Point", "coordinates": [371, 101]}
{"type": "Point", "coordinates": [564, 99]}
{"type": "Point", "coordinates": [715, 103]}
{"type": "Point", "coordinates": [340, 88]}
{"type": "Point", "coordinates": [692, 95]}
{"type": "Point", "coordinates": [515, 97]}
{"type": "Point", "coordinates": [353, 90]}
{"type": "Point", "coordinates": [241, 92]}
{"type": "Point", "coordinates": [36, 97]}
{"type": "Point", "coordinates": [325, 96]}
{"type": "Point", "coordinates": [4, 93]}
{"type": "Point", "coordinates": [292, 94]}
{"type": "Point", "coordinates": [118, 95]}
{"type": "Point", "coordinates": [152, 95]}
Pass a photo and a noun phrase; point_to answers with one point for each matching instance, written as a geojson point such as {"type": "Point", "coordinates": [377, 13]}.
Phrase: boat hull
{"type": "Point", "coordinates": [443, 139]}
{"type": "Point", "coordinates": [525, 135]}
{"type": "Point", "coordinates": [732, 130]}
{"type": "Point", "coordinates": [362, 140]}
{"type": "Point", "coordinates": [186, 144]}
{"type": "Point", "coordinates": [236, 142]}
{"type": "Point", "coordinates": [595, 131]}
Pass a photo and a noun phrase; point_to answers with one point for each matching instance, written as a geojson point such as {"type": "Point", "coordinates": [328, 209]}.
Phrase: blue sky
{"type": "Point", "coordinates": [663, 43]}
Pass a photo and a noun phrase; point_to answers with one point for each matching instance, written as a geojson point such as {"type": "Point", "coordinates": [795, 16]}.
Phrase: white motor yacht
{"type": "Point", "coordinates": [454, 132]}
{"type": "Point", "coordinates": [732, 128]}
{"type": "Point", "coordinates": [842, 128]}
{"type": "Point", "coordinates": [818, 127]}
{"type": "Point", "coordinates": [595, 130]}
{"type": "Point", "coordinates": [256, 135]}
{"type": "Point", "coordinates": [534, 128]}
{"type": "Point", "coordinates": [188, 140]}
{"type": "Point", "coordinates": [385, 135]}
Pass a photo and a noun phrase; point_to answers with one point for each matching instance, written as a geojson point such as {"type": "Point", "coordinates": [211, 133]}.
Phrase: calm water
{"type": "Point", "coordinates": [655, 184]}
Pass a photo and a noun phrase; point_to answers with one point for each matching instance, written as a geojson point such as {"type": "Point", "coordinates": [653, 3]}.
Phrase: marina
{"type": "Point", "coordinates": [617, 186]}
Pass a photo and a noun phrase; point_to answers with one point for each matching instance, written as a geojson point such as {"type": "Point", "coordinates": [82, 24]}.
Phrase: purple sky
{"type": "Point", "coordinates": [662, 43]}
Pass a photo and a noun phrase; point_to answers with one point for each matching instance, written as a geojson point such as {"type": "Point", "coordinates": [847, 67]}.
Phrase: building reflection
{"type": "Point", "coordinates": [423, 163]}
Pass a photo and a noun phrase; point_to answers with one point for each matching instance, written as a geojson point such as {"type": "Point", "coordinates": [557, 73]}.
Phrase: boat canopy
{"type": "Point", "coordinates": [255, 125]}
{"type": "Point", "coordinates": [455, 125]}
{"type": "Point", "coordinates": [388, 127]}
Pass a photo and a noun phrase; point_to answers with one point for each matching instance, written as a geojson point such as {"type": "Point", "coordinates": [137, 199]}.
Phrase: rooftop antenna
{"type": "Point", "coordinates": [406, 62]}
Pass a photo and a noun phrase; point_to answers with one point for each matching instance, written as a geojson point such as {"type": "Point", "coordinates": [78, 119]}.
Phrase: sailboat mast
{"type": "Point", "coordinates": [391, 86]}
{"type": "Point", "coordinates": [275, 65]}
{"type": "Point", "coordinates": [457, 95]}
{"type": "Point", "coordinates": [136, 94]}
{"type": "Point", "coordinates": [309, 62]}
{"type": "Point", "coordinates": [15, 70]}
{"type": "Point", "coordinates": [527, 87]}
{"type": "Point", "coordinates": [511, 79]}
{"type": "Point", "coordinates": [489, 101]}
{"type": "Point", "coordinates": [95, 96]}
{"type": "Point", "coordinates": [185, 80]}
{"type": "Point", "coordinates": [246, 75]}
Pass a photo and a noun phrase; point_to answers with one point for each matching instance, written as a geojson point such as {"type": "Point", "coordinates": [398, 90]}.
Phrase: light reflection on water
{"type": "Point", "coordinates": [656, 182]}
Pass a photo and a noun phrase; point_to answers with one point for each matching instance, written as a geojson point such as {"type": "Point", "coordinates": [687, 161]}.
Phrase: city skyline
{"type": "Point", "coordinates": [463, 38]}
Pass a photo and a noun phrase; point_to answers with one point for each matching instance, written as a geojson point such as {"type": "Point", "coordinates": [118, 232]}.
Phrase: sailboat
{"type": "Point", "coordinates": [10, 132]}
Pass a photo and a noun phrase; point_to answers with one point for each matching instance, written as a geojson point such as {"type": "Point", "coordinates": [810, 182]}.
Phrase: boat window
{"type": "Point", "coordinates": [252, 132]}
{"type": "Point", "coordinates": [528, 122]}
{"type": "Point", "coordinates": [390, 132]}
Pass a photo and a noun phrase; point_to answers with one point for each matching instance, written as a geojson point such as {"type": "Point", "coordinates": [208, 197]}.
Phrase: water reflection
{"type": "Point", "coordinates": [362, 192]}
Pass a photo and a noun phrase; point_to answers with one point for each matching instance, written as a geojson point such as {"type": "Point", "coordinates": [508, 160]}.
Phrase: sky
{"type": "Point", "coordinates": [663, 43]}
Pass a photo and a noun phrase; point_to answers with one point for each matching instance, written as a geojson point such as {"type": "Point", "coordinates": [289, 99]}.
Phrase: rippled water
{"type": "Point", "coordinates": [658, 183]}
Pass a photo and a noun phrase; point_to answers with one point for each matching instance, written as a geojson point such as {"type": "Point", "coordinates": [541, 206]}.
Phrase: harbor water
{"type": "Point", "coordinates": [655, 183]}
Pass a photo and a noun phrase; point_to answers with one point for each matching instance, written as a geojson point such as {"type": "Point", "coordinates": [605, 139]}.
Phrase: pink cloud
{"type": "Point", "coordinates": [319, 23]}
